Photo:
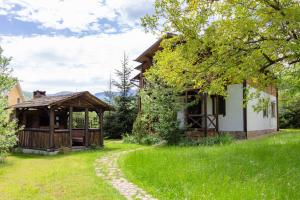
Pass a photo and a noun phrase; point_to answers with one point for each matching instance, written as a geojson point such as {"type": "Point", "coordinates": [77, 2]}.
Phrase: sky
{"type": "Point", "coordinates": [71, 45]}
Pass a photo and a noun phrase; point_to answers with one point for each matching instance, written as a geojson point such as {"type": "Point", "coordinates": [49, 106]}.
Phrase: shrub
{"type": "Point", "coordinates": [146, 139]}
{"type": "Point", "coordinates": [208, 141]}
{"type": "Point", "coordinates": [140, 127]}
{"type": "Point", "coordinates": [150, 140]}
{"type": "Point", "coordinates": [130, 139]}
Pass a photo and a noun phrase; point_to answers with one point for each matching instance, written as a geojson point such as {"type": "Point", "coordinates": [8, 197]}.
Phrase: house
{"type": "Point", "coordinates": [15, 95]}
{"type": "Point", "coordinates": [216, 114]}
{"type": "Point", "coordinates": [47, 121]}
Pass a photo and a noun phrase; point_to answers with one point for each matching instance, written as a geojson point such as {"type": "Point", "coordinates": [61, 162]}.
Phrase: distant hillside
{"type": "Point", "coordinates": [27, 95]}
{"type": "Point", "coordinates": [60, 93]}
{"type": "Point", "coordinates": [99, 95]}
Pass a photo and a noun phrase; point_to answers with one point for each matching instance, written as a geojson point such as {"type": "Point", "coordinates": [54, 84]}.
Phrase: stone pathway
{"type": "Point", "coordinates": [107, 168]}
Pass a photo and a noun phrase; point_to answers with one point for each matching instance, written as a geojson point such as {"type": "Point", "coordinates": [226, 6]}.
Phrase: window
{"type": "Point", "coordinates": [265, 111]}
{"type": "Point", "coordinates": [18, 100]}
{"type": "Point", "coordinates": [221, 105]}
{"type": "Point", "coordinates": [273, 109]}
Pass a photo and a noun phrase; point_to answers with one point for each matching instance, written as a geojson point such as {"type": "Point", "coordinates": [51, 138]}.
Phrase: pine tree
{"type": "Point", "coordinates": [121, 121]}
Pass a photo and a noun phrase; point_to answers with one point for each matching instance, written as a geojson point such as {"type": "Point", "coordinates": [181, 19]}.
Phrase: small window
{"type": "Point", "coordinates": [18, 100]}
{"type": "Point", "coordinates": [221, 105]}
{"type": "Point", "coordinates": [265, 111]}
{"type": "Point", "coordinates": [273, 109]}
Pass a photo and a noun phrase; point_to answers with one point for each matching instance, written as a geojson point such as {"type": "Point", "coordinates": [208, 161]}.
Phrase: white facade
{"type": "Point", "coordinates": [256, 120]}
{"type": "Point", "coordinates": [233, 120]}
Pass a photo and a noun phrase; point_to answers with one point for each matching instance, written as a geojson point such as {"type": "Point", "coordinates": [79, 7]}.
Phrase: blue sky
{"type": "Point", "coordinates": [71, 45]}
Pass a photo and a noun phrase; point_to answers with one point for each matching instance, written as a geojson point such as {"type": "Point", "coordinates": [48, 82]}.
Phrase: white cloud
{"type": "Point", "coordinates": [60, 63]}
{"type": "Point", "coordinates": [76, 15]}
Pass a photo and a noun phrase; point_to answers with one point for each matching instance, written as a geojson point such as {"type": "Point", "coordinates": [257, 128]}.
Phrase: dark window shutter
{"type": "Point", "coordinates": [222, 106]}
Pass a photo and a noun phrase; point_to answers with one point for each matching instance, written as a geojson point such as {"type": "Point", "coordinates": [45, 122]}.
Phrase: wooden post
{"type": "Point", "coordinates": [70, 124]}
{"type": "Point", "coordinates": [186, 109]}
{"type": "Point", "coordinates": [24, 118]}
{"type": "Point", "coordinates": [101, 127]}
{"type": "Point", "coordinates": [277, 109]}
{"type": "Point", "coordinates": [51, 125]}
{"type": "Point", "coordinates": [86, 126]}
{"type": "Point", "coordinates": [205, 114]}
{"type": "Point", "coordinates": [217, 113]}
{"type": "Point", "coordinates": [245, 109]}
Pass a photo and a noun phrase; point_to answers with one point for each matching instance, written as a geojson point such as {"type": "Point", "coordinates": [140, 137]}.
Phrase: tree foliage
{"type": "Point", "coordinates": [225, 42]}
{"type": "Point", "coordinates": [121, 120]}
{"type": "Point", "coordinates": [7, 125]}
{"type": "Point", "coordinates": [158, 117]}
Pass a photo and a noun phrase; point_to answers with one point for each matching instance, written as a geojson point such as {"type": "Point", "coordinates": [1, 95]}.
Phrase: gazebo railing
{"type": "Point", "coordinates": [38, 138]}
{"type": "Point", "coordinates": [34, 138]}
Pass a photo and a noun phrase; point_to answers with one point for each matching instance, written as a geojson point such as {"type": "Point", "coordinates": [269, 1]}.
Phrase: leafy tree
{"type": "Point", "coordinates": [225, 42]}
{"type": "Point", "coordinates": [121, 120]}
{"type": "Point", "coordinates": [8, 126]}
{"type": "Point", "coordinates": [159, 111]}
{"type": "Point", "coordinates": [289, 116]}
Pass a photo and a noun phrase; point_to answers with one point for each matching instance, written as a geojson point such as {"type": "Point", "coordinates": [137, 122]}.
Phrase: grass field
{"type": "Point", "coordinates": [68, 177]}
{"type": "Point", "coordinates": [266, 168]}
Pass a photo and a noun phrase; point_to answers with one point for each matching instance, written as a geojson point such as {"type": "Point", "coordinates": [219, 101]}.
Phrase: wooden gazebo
{"type": "Point", "coordinates": [47, 121]}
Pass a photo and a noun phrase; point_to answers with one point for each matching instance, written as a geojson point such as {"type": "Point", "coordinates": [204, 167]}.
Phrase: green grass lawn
{"type": "Point", "coordinates": [266, 168]}
{"type": "Point", "coordinates": [69, 176]}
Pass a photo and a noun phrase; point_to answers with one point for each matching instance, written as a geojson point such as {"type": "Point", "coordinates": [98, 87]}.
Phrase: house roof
{"type": "Point", "coordinates": [57, 100]}
{"type": "Point", "coordinates": [152, 49]}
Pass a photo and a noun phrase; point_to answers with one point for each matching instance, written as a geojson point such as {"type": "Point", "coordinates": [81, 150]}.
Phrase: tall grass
{"type": "Point", "coordinates": [265, 168]}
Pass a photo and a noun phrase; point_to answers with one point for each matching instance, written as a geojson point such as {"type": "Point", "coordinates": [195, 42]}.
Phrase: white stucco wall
{"type": "Point", "coordinates": [256, 120]}
{"type": "Point", "coordinates": [233, 120]}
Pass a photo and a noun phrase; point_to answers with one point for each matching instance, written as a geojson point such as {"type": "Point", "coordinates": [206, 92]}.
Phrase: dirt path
{"type": "Point", "coordinates": [107, 168]}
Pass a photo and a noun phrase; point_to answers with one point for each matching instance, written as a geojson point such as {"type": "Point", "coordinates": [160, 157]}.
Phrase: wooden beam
{"type": "Point", "coordinates": [217, 113]}
{"type": "Point", "coordinates": [186, 109]}
{"type": "Point", "coordinates": [101, 127]}
{"type": "Point", "coordinates": [205, 114]}
{"type": "Point", "coordinates": [86, 126]}
{"type": "Point", "coordinates": [70, 124]}
{"type": "Point", "coordinates": [51, 125]}
{"type": "Point", "coordinates": [245, 109]}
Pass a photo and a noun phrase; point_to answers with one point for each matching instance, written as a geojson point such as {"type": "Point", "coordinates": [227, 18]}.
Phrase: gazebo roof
{"type": "Point", "coordinates": [63, 100]}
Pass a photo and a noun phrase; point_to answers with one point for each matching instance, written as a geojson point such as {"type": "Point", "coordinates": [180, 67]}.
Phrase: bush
{"type": "Point", "coordinates": [140, 127]}
{"type": "Point", "coordinates": [130, 139]}
{"type": "Point", "coordinates": [150, 140]}
{"type": "Point", "coordinates": [146, 139]}
{"type": "Point", "coordinates": [208, 141]}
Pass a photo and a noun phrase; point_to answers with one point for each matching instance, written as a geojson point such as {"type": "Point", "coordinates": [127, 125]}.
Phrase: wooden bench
{"type": "Point", "coordinates": [78, 136]}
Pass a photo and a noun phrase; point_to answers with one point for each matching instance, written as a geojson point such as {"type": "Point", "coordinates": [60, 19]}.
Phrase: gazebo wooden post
{"type": "Point", "coordinates": [51, 125]}
{"type": "Point", "coordinates": [86, 126]}
{"type": "Point", "coordinates": [205, 114]}
{"type": "Point", "coordinates": [70, 124]}
{"type": "Point", "coordinates": [101, 127]}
